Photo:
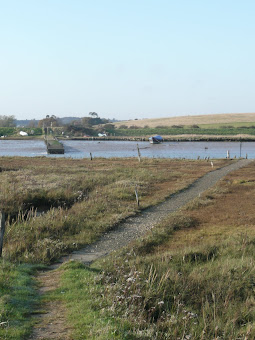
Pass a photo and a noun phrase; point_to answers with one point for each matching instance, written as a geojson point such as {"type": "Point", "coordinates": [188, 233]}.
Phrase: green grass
{"type": "Point", "coordinates": [82, 294]}
{"type": "Point", "coordinates": [18, 297]}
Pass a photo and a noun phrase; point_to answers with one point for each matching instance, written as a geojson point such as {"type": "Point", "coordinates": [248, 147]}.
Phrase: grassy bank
{"type": "Point", "coordinates": [192, 277]}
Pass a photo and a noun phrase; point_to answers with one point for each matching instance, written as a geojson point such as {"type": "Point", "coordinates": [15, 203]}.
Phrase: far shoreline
{"type": "Point", "coordinates": [177, 138]}
{"type": "Point", "coordinates": [172, 138]}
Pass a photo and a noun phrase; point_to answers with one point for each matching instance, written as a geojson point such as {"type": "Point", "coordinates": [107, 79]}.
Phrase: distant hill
{"type": "Point", "coordinates": [68, 120]}
{"type": "Point", "coordinates": [229, 118]}
{"type": "Point", "coordinates": [25, 122]}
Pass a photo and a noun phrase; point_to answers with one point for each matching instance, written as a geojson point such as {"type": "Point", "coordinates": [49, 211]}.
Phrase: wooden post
{"type": "Point", "coordinates": [136, 195]}
{"type": "Point", "coordinates": [246, 156]}
{"type": "Point", "coordinates": [139, 154]}
{"type": "Point", "coordinates": [2, 230]}
{"type": "Point", "coordinates": [91, 156]}
{"type": "Point", "coordinates": [228, 155]}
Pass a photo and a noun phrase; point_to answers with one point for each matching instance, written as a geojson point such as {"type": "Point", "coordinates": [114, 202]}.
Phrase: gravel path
{"type": "Point", "coordinates": [134, 227]}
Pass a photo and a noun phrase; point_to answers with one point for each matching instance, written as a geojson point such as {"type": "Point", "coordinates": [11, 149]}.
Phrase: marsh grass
{"type": "Point", "coordinates": [192, 277]}
{"type": "Point", "coordinates": [57, 205]}
{"type": "Point", "coordinates": [203, 293]}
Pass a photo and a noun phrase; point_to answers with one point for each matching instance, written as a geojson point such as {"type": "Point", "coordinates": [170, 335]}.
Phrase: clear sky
{"type": "Point", "coordinates": [126, 59]}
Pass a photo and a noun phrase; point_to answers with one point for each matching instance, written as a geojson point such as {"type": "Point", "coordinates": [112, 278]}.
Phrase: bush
{"type": "Point", "coordinates": [7, 131]}
{"type": "Point", "coordinates": [177, 126]}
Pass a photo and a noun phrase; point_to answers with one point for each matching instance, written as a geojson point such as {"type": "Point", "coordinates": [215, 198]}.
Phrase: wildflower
{"type": "Point", "coordinates": [131, 279]}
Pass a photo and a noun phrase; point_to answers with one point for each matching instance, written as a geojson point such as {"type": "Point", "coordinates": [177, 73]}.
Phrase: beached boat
{"type": "Point", "coordinates": [156, 139]}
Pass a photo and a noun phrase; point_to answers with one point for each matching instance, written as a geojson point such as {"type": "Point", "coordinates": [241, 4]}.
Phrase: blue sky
{"type": "Point", "coordinates": [126, 59]}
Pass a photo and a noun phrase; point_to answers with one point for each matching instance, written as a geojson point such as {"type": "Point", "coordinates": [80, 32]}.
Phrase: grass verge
{"type": "Point", "coordinates": [18, 297]}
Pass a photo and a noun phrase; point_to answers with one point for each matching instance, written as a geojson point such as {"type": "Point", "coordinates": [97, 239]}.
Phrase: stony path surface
{"type": "Point", "coordinates": [134, 227]}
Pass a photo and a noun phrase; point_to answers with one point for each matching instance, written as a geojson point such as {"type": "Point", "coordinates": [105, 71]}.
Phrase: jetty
{"type": "Point", "coordinates": [53, 145]}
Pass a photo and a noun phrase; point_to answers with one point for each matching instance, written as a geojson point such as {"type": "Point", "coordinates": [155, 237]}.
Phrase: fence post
{"type": "Point", "coordinates": [2, 230]}
{"type": "Point", "coordinates": [139, 154]}
{"type": "Point", "coordinates": [136, 195]}
{"type": "Point", "coordinates": [90, 156]}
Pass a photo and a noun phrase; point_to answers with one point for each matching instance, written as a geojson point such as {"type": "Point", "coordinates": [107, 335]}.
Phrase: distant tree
{"type": "Point", "coordinates": [75, 123]}
{"type": "Point", "coordinates": [7, 121]}
{"type": "Point", "coordinates": [93, 114]}
{"type": "Point", "coordinates": [229, 127]}
{"type": "Point", "coordinates": [123, 126]}
{"type": "Point", "coordinates": [78, 130]}
{"type": "Point", "coordinates": [177, 126]}
{"type": "Point", "coordinates": [32, 123]}
{"type": "Point", "coordinates": [89, 121]}
{"type": "Point", "coordinates": [109, 127]}
{"type": "Point", "coordinates": [49, 122]}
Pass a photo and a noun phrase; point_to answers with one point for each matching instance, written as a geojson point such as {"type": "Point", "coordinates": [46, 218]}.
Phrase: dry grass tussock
{"type": "Point", "coordinates": [191, 120]}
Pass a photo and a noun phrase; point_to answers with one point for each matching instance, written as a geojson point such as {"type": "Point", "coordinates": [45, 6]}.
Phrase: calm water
{"type": "Point", "coordinates": [107, 149]}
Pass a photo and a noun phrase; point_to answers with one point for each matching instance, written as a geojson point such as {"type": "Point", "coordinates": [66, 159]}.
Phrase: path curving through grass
{"type": "Point", "coordinates": [134, 227]}
{"type": "Point", "coordinates": [131, 229]}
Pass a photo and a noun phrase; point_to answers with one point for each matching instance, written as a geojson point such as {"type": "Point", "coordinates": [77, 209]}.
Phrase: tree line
{"type": "Point", "coordinates": [90, 125]}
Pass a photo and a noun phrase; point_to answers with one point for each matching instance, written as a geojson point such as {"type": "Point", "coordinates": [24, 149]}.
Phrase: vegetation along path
{"type": "Point", "coordinates": [51, 323]}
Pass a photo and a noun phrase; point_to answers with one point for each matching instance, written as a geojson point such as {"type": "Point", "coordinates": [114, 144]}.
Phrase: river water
{"type": "Point", "coordinates": [108, 149]}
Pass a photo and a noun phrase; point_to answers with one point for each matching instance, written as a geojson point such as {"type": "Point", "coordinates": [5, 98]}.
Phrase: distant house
{"type": "Point", "coordinates": [102, 135]}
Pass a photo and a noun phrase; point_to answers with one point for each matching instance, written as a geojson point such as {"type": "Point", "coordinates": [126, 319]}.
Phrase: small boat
{"type": "Point", "coordinates": [156, 139]}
